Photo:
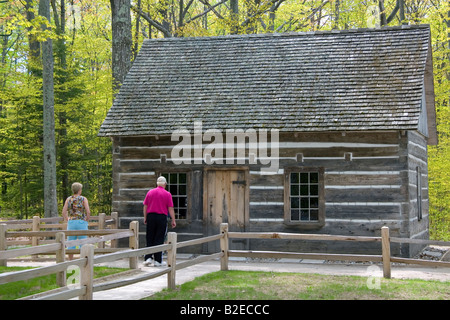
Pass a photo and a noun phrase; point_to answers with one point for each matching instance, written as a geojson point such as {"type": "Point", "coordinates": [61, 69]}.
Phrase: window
{"type": "Point", "coordinates": [304, 196]}
{"type": "Point", "coordinates": [177, 186]}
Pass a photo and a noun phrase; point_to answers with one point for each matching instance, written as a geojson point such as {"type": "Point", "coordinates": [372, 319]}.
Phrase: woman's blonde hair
{"type": "Point", "coordinates": [76, 186]}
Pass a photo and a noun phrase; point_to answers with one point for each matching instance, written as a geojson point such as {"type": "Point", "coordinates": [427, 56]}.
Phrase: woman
{"type": "Point", "coordinates": [76, 212]}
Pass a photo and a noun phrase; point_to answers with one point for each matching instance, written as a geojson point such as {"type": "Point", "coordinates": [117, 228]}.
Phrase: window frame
{"type": "Point", "coordinates": [320, 222]}
{"type": "Point", "coordinates": [188, 191]}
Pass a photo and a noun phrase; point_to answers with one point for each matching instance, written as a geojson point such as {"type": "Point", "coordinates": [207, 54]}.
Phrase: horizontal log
{"type": "Point", "coordinates": [59, 225]}
{"type": "Point", "coordinates": [295, 255]}
{"type": "Point", "coordinates": [201, 259]}
{"type": "Point", "coordinates": [198, 241]}
{"type": "Point", "coordinates": [10, 243]}
{"type": "Point", "coordinates": [16, 234]}
{"type": "Point", "coordinates": [76, 251]}
{"type": "Point", "coordinates": [38, 272]}
{"type": "Point", "coordinates": [420, 241]}
{"type": "Point", "coordinates": [130, 253]}
{"type": "Point", "coordinates": [357, 194]}
{"type": "Point", "coordinates": [429, 263]}
{"type": "Point", "coordinates": [267, 195]}
{"type": "Point", "coordinates": [118, 235]}
{"type": "Point", "coordinates": [64, 293]}
{"type": "Point", "coordinates": [42, 220]}
{"type": "Point", "coordinates": [360, 178]}
{"type": "Point", "coordinates": [14, 253]}
{"type": "Point", "coordinates": [17, 226]}
{"type": "Point", "coordinates": [299, 236]}
{"type": "Point", "coordinates": [120, 283]}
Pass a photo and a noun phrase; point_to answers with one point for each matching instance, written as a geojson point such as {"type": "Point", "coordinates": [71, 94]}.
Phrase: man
{"type": "Point", "coordinates": [158, 205]}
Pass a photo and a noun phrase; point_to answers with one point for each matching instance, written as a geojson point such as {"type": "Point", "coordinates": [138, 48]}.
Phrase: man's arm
{"type": "Point", "coordinates": [172, 216]}
{"type": "Point", "coordinates": [145, 214]}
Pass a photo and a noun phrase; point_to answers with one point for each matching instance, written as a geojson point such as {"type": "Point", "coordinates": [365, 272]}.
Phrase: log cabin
{"type": "Point", "coordinates": [310, 132]}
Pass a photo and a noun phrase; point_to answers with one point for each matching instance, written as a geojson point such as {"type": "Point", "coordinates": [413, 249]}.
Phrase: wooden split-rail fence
{"type": "Point", "coordinates": [87, 259]}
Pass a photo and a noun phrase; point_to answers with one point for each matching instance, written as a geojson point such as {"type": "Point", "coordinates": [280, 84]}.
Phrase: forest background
{"type": "Point", "coordinates": [94, 43]}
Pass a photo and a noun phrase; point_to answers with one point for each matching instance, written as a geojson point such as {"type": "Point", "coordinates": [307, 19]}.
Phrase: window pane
{"type": "Point", "coordinates": [304, 215]}
{"type": "Point", "coordinates": [304, 190]}
{"type": "Point", "coordinates": [295, 190]}
{"type": "Point", "coordinates": [175, 202]}
{"type": "Point", "coordinates": [294, 202]}
{"type": "Point", "coordinates": [314, 215]}
{"type": "Point", "coordinates": [314, 190]}
{"type": "Point", "coordinates": [304, 177]}
{"type": "Point", "coordinates": [181, 214]}
{"type": "Point", "coordinates": [173, 189]}
{"type": "Point", "coordinates": [182, 178]}
{"type": "Point", "coordinates": [294, 215]}
{"type": "Point", "coordinates": [314, 202]}
{"type": "Point", "coordinates": [304, 203]}
{"type": "Point", "coordinates": [183, 202]}
{"type": "Point", "coordinates": [173, 178]}
{"type": "Point", "coordinates": [294, 177]}
{"type": "Point", "coordinates": [182, 189]}
{"type": "Point", "coordinates": [314, 177]}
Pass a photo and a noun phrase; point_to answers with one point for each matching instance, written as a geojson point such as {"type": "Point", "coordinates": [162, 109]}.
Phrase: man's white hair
{"type": "Point", "coordinates": [161, 182]}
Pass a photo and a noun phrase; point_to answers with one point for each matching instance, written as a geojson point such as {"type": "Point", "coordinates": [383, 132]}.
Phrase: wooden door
{"type": "Point", "coordinates": [226, 200]}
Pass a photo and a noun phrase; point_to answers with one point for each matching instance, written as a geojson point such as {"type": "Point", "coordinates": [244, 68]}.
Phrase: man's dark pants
{"type": "Point", "coordinates": [156, 232]}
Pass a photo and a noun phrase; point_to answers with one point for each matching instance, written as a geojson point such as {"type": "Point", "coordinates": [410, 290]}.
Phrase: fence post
{"type": "Point", "coordinates": [87, 271]}
{"type": "Point", "coordinates": [115, 225]}
{"type": "Point", "coordinates": [61, 280]}
{"type": "Point", "coordinates": [172, 259]}
{"type": "Point", "coordinates": [224, 246]}
{"type": "Point", "coordinates": [3, 245]}
{"type": "Point", "coordinates": [35, 240]}
{"type": "Point", "coordinates": [101, 226]}
{"type": "Point", "coordinates": [386, 252]}
{"type": "Point", "coordinates": [134, 243]}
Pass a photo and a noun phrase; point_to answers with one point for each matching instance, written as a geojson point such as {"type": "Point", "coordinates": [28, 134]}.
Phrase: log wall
{"type": "Point", "coordinates": [370, 180]}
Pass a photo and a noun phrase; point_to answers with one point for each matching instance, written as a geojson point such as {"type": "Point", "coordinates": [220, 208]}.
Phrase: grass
{"type": "Point", "coordinates": [255, 285]}
{"type": "Point", "coordinates": [19, 289]}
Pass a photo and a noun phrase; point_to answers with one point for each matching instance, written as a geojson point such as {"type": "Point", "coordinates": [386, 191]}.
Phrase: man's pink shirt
{"type": "Point", "coordinates": [158, 200]}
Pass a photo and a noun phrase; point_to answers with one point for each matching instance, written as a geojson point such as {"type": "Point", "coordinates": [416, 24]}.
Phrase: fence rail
{"type": "Point", "coordinates": [88, 260]}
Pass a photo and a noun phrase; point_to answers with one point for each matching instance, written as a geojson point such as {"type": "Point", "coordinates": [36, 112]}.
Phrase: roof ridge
{"type": "Point", "coordinates": [300, 33]}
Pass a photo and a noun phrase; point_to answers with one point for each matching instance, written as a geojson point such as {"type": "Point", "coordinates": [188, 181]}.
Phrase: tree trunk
{"type": "Point", "coordinates": [50, 202]}
{"type": "Point", "coordinates": [33, 43]}
{"type": "Point", "coordinates": [61, 62]}
{"type": "Point", "coordinates": [121, 41]}
{"type": "Point", "coordinates": [234, 6]}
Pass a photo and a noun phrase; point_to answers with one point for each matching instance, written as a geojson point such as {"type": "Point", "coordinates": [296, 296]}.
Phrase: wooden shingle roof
{"type": "Point", "coordinates": [302, 82]}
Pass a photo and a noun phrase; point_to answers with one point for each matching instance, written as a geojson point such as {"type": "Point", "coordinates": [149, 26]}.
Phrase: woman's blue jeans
{"type": "Point", "coordinates": [76, 225]}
